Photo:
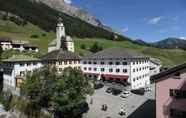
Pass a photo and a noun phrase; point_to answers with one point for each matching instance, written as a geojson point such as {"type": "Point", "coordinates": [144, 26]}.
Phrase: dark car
{"type": "Point", "coordinates": [116, 91]}
{"type": "Point", "coordinates": [140, 91]}
{"type": "Point", "coordinates": [109, 90]}
{"type": "Point", "coordinates": [98, 85]}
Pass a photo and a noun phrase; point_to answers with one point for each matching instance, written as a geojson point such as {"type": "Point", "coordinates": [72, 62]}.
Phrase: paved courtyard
{"type": "Point", "coordinates": [136, 106]}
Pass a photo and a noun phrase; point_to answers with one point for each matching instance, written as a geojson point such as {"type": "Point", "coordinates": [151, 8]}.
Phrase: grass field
{"type": "Point", "coordinates": [169, 57]}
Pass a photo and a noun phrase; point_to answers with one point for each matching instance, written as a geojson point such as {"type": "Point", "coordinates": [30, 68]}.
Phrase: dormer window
{"type": "Point", "coordinates": [177, 75]}
{"type": "Point", "coordinates": [178, 93]}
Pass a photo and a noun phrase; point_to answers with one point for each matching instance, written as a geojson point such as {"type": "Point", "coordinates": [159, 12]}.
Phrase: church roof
{"type": "Point", "coordinates": [60, 55]}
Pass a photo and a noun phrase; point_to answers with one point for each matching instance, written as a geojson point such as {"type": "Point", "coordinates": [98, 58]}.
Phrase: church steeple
{"type": "Point", "coordinates": [60, 32]}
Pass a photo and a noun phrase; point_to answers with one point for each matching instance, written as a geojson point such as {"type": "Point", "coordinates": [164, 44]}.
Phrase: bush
{"type": "Point", "coordinates": [83, 46]}
{"type": "Point", "coordinates": [96, 47]}
{"type": "Point", "coordinates": [34, 36]}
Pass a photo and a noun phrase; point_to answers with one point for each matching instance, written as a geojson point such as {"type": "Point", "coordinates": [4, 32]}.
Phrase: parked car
{"type": "Point", "coordinates": [140, 91]}
{"type": "Point", "coordinates": [125, 94]}
{"type": "Point", "coordinates": [98, 85]}
{"type": "Point", "coordinates": [116, 91]}
{"type": "Point", "coordinates": [109, 90]}
{"type": "Point", "coordinates": [147, 89]}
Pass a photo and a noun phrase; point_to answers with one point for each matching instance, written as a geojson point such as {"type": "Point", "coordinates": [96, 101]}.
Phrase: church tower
{"type": "Point", "coordinates": [60, 33]}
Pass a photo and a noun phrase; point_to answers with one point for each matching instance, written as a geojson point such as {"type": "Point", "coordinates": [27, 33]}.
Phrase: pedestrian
{"type": "Point", "coordinates": [91, 101]}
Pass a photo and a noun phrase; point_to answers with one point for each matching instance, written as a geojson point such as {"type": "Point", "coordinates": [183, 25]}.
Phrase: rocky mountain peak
{"type": "Point", "coordinates": [71, 10]}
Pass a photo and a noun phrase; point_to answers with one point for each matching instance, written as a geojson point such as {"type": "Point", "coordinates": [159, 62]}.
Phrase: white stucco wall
{"type": "Point", "coordinates": [144, 73]}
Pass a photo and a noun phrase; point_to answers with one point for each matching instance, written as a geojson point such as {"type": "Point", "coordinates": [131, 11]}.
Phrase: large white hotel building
{"type": "Point", "coordinates": [118, 64]}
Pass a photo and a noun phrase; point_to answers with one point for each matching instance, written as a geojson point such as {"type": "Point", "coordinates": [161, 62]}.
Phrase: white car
{"type": "Point", "coordinates": [125, 94]}
{"type": "Point", "coordinates": [147, 89]}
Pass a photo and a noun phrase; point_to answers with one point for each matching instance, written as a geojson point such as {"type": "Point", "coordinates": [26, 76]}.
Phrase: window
{"type": "Point", "coordinates": [84, 62]}
{"type": "Point", "coordinates": [133, 70]}
{"type": "Point", "coordinates": [177, 75]}
{"type": "Point", "coordinates": [134, 79]}
{"type": "Point", "coordinates": [22, 64]}
{"type": "Point", "coordinates": [60, 62]}
{"type": "Point", "coordinates": [89, 69]}
{"type": "Point", "coordinates": [75, 62]}
{"type": "Point", "coordinates": [85, 68]}
{"type": "Point", "coordinates": [22, 73]}
{"type": "Point", "coordinates": [60, 69]}
{"type": "Point", "coordinates": [65, 62]}
{"type": "Point", "coordinates": [89, 62]}
{"type": "Point", "coordinates": [133, 63]}
{"type": "Point", "coordinates": [117, 70]}
{"type": "Point", "coordinates": [117, 63]}
{"type": "Point", "coordinates": [102, 69]}
{"type": "Point", "coordinates": [110, 63]}
{"type": "Point", "coordinates": [124, 63]}
{"type": "Point", "coordinates": [125, 70]}
{"type": "Point", "coordinates": [102, 63]}
{"type": "Point", "coordinates": [110, 70]}
{"type": "Point", "coordinates": [177, 93]}
{"type": "Point", "coordinates": [70, 62]}
{"type": "Point", "coordinates": [95, 62]}
{"type": "Point", "coordinates": [95, 69]}
{"type": "Point", "coordinates": [177, 113]}
{"type": "Point", "coordinates": [28, 64]}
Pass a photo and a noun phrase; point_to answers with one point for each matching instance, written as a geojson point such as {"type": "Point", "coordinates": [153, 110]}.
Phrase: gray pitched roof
{"type": "Point", "coordinates": [61, 55]}
{"type": "Point", "coordinates": [170, 71]}
{"type": "Point", "coordinates": [5, 39]}
{"type": "Point", "coordinates": [115, 53]}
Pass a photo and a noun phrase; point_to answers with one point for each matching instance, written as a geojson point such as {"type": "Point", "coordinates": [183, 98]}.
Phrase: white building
{"type": "Point", "coordinates": [61, 59]}
{"type": "Point", "coordinates": [61, 41]}
{"type": "Point", "coordinates": [15, 69]}
{"type": "Point", "coordinates": [8, 44]}
{"type": "Point", "coordinates": [155, 66]}
{"type": "Point", "coordinates": [24, 46]}
{"type": "Point", "coordinates": [118, 64]}
{"type": "Point", "coordinates": [5, 43]}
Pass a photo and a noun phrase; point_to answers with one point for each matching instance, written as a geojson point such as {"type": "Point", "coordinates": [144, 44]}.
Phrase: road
{"type": "Point", "coordinates": [134, 105]}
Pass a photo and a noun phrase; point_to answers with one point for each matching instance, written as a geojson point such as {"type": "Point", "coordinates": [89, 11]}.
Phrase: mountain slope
{"type": "Point", "coordinates": [46, 18]}
{"type": "Point", "coordinates": [171, 43]}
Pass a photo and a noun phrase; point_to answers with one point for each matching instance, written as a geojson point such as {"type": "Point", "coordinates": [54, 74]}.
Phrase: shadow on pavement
{"type": "Point", "coordinates": [146, 110]}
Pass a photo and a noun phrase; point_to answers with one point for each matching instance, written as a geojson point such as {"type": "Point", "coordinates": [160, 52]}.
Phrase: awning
{"type": "Point", "coordinates": [92, 73]}
{"type": "Point", "coordinates": [116, 77]}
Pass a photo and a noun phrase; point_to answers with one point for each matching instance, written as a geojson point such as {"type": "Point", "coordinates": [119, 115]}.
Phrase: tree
{"type": "Point", "coordinates": [71, 96]}
{"type": "Point", "coordinates": [83, 46]}
{"type": "Point", "coordinates": [63, 94]}
{"type": "Point", "coordinates": [96, 48]}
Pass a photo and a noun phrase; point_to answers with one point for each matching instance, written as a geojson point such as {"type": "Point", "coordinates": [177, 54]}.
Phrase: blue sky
{"type": "Point", "coordinates": [150, 20]}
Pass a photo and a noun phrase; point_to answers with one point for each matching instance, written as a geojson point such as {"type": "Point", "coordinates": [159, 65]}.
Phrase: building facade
{"type": "Point", "coordinates": [171, 93]}
{"type": "Point", "coordinates": [15, 69]}
{"type": "Point", "coordinates": [8, 44]}
{"type": "Point", "coordinates": [62, 40]}
{"type": "Point", "coordinates": [118, 64]}
{"type": "Point", "coordinates": [61, 59]}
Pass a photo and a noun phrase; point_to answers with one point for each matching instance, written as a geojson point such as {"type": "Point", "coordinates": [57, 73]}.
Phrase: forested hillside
{"type": "Point", "coordinates": [46, 18]}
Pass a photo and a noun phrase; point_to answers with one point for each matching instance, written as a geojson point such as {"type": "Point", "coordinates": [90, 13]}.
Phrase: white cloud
{"type": "Point", "coordinates": [184, 38]}
{"type": "Point", "coordinates": [155, 20]}
{"type": "Point", "coordinates": [68, 1]}
{"type": "Point", "coordinates": [124, 30]}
